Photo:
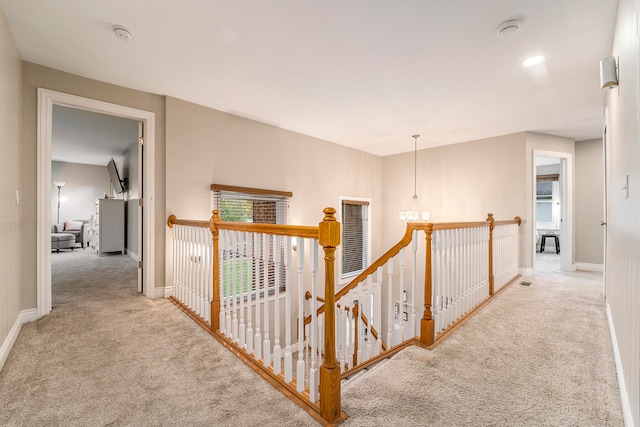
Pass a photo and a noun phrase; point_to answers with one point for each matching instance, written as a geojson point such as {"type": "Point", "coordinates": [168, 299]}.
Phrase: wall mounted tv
{"type": "Point", "coordinates": [119, 185]}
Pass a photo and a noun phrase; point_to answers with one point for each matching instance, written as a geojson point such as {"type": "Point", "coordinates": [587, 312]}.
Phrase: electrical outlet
{"type": "Point", "coordinates": [396, 308]}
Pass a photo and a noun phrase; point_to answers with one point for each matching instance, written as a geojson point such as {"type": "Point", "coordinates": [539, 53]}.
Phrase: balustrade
{"type": "Point", "coordinates": [255, 287]}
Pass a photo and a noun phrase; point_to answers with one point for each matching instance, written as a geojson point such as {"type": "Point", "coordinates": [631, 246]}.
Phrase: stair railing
{"type": "Point", "coordinates": [448, 268]}
{"type": "Point", "coordinates": [252, 299]}
{"type": "Point", "coordinates": [248, 286]}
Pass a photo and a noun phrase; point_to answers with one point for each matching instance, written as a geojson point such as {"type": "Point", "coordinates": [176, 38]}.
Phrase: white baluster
{"type": "Point", "coordinates": [300, 368]}
{"type": "Point", "coordinates": [277, 356]}
{"type": "Point", "coordinates": [401, 260]}
{"type": "Point", "coordinates": [288, 359]}
{"type": "Point", "coordinates": [259, 266]}
{"type": "Point", "coordinates": [230, 282]}
{"type": "Point", "coordinates": [390, 297]}
{"type": "Point", "coordinates": [250, 290]}
{"type": "Point", "coordinates": [414, 275]}
{"type": "Point", "coordinates": [244, 279]}
{"type": "Point", "coordinates": [313, 372]}
{"type": "Point", "coordinates": [223, 269]}
{"type": "Point", "coordinates": [237, 265]}
{"type": "Point", "coordinates": [379, 340]}
{"type": "Point", "coordinates": [360, 324]}
{"type": "Point", "coordinates": [208, 266]}
{"type": "Point", "coordinates": [266, 346]}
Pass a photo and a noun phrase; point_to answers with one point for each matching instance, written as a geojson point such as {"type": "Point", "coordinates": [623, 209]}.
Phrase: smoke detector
{"type": "Point", "coordinates": [508, 28]}
{"type": "Point", "coordinates": [122, 33]}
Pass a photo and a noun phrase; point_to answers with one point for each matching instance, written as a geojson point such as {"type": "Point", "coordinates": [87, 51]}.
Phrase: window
{"type": "Point", "coordinates": [355, 237]}
{"type": "Point", "coordinates": [547, 202]}
{"type": "Point", "coordinates": [239, 204]}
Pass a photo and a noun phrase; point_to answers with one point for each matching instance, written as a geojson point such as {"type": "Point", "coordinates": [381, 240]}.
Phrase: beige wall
{"type": "Point", "coordinates": [622, 265]}
{"type": "Point", "coordinates": [589, 202]}
{"type": "Point", "coordinates": [83, 185]}
{"type": "Point", "coordinates": [34, 76]}
{"type": "Point", "coordinates": [461, 182]}
{"type": "Point", "coordinates": [11, 224]}
{"type": "Point", "coordinates": [206, 146]}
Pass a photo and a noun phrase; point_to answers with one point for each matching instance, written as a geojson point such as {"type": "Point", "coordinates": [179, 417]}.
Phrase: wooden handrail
{"type": "Point", "coordinates": [173, 220]}
{"type": "Point", "coordinates": [302, 231]}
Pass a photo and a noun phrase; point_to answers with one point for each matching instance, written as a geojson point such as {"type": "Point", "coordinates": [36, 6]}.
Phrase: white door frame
{"type": "Point", "coordinates": [46, 100]}
{"type": "Point", "coordinates": [566, 201]}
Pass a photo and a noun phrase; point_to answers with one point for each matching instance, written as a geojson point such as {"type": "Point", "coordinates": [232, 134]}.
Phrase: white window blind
{"type": "Point", "coordinates": [254, 205]}
{"type": "Point", "coordinates": [355, 229]}
{"type": "Point", "coordinates": [240, 204]}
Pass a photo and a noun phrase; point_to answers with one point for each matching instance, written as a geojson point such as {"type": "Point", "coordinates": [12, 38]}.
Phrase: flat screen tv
{"type": "Point", "coordinates": [119, 185]}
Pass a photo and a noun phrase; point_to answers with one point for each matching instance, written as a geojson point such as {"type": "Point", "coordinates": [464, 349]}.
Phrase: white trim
{"type": "Point", "coordinates": [30, 315]}
{"type": "Point", "coordinates": [7, 345]}
{"type": "Point", "coordinates": [162, 292]}
{"type": "Point", "coordinates": [627, 414]}
{"type": "Point", "coordinates": [585, 266]}
{"type": "Point", "coordinates": [344, 280]}
{"type": "Point", "coordinates": [525, 271]}
{"type": "Point", "coordinates": [567, 225]}
{"type": "Point", "coordinates": [46, 100]}
{"type": "Point", "coordinates": [132, 255]}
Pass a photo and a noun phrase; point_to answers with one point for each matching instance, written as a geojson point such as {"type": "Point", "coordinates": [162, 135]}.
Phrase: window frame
{"type": "Point", "coordinates": [365, 202]}
{"type": "Point", "coordinates": [218, 193]}
{"type": "Point", "coordinates": [554, 201]}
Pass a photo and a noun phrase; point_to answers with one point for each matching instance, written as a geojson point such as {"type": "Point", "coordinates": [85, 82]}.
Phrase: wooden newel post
{"type": "Point", "coordinates": [491, 278]}
{"type": "Point", "coordinates": [427, 327]}
{"type": "Point", "coordinates": [329, 239]}
{"type": "Point", "coordinates": [215, 301]}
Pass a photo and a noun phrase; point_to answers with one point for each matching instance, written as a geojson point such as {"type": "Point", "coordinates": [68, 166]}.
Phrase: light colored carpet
{"type": "Point", "coordinates": [106, 356]}
{"type": "Point", "coordinates": [537, 355]}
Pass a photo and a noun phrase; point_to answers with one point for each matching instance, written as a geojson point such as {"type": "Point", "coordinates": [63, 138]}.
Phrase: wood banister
{"type": "Point", "coordinates": [490, 243]}
{"type": "Point", "coordinates": [215, 301]}
{"type": "Point", "coordinates": [427, 326]}
{"type": "Point", "coordinates": [173, 220]}
{"type": "Point", "coordinates": [329, 239]}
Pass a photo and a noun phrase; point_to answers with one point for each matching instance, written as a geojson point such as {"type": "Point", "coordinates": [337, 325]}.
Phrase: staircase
{"type": "Point", "coordinates": [276, 308]}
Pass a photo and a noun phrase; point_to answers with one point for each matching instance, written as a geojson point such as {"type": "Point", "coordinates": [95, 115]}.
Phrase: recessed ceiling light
{"type": "Point", "coordinates": [122, 33]}
{"type": "Point", "coordinates": [534, 60]}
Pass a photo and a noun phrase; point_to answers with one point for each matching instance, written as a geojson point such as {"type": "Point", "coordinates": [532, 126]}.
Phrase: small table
{"type": "Point", "coordinates": [553, 236]}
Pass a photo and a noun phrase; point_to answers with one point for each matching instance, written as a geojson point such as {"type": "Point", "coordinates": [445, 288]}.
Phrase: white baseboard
{"type": "Point", "coordinates": [7, 345]}
{"type": "Point", "coordinates": [168, 291]}
{"type": "Point", "coordinates": [30, 315]}
{"type": "Point", "coordinates": [624, 396]}
{"type": "Point", "coordinates": [132, 255]}
{"type": "Point", "coordinates": [525, 271]}
{"type": "Point", "coordinates": [584, 266]}
{"type": "Point", "coordinates": [25, 316]}
{"type": "Point", "coordinates": [161, 292]}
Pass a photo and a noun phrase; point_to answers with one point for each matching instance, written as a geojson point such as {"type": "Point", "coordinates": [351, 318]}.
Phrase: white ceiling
{"type": "Point", "coordinates": [365, 74]}
{"type": "Point", "coordinates": [80, 136]}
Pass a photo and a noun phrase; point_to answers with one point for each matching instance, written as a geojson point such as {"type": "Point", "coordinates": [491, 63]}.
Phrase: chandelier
{"type": "Point", "coordinates": [414, 215]}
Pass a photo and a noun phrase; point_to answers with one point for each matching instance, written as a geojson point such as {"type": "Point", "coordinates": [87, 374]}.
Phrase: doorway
{"type": "Point", "coordinates": [552, 211]}
{"type": "Point", "coordinates": [46, 100]}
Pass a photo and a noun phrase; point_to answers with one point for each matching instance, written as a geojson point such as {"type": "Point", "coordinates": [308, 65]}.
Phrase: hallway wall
{"type": "Point", "coordinates": [11, 219]}
{"type": "Point", "coordinates": [623, 229]}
